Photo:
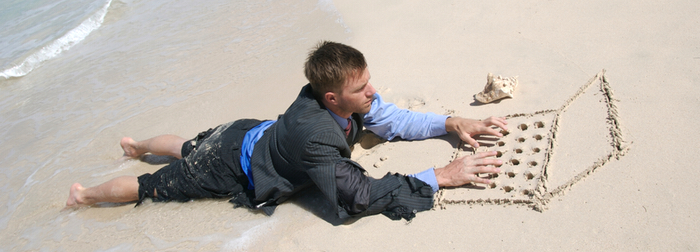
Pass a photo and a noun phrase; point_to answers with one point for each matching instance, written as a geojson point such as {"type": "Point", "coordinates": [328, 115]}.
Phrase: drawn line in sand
{"type": "Point", "coordinates": [528, 150]}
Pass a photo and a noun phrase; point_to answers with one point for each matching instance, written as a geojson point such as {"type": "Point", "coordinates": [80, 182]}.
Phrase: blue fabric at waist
{"type": "Point", "coordinates": [252, 137]}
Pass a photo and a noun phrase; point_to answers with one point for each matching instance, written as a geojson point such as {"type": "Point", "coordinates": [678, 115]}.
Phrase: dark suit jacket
{"type": "Point", "coordinates": [307, 146]}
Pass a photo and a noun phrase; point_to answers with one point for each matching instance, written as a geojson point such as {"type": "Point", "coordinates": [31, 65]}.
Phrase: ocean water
{"type": "Point", "coordinates": [35, 31]}
{"type": "Point", "coordinates": [77, 75]}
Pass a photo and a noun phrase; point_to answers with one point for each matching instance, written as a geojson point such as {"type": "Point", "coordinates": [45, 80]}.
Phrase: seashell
{"type": "Point", "coordinates": [497, 88]}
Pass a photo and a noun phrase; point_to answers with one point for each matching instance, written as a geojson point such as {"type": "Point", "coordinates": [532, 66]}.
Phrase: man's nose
{"type": "Point", "coordinates": [371, 91]}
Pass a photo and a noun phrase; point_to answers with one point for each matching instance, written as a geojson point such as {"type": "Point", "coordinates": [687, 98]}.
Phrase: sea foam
{"type": "Point", "coordinates": [59, 45]}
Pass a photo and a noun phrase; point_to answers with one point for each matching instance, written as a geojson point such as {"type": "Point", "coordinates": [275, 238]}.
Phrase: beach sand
{"type": "Point", "coordinates": [434, 58]}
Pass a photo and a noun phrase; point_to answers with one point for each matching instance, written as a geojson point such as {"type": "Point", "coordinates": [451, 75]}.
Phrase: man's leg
{"type": "Point", "coordinates": [163, 145]}
{"type": "Point", "coordinates": [117, 190]}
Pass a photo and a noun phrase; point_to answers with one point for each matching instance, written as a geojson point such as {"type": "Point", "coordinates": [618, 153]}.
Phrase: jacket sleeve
{"type": "Point", "coordinates": [394, 195]}
{"type": "Point", "coordinates": [346, 185]}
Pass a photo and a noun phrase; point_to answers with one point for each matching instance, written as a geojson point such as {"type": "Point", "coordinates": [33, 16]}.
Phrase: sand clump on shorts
{"type": "Point", "coordinates": [497, 88]}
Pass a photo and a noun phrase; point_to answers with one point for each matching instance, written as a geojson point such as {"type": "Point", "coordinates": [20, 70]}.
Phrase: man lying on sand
{"type": "Point", "coordinates": [260, 164]}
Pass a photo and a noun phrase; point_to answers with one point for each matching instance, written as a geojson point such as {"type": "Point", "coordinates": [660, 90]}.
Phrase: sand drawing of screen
{"type": "Point", "coordinates": [546, 152]}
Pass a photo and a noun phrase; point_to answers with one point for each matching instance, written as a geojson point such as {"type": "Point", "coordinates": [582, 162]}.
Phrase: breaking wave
{"type": "Point", "coordinates": [59, 45]}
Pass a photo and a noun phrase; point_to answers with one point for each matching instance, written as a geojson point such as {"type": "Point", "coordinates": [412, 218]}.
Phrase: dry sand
{"type": "Point", "coordinates": [610, 179]}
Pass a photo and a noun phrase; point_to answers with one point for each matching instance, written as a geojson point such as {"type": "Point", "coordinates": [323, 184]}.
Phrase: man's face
{"type": "Point", "coordinates": [357, 93]}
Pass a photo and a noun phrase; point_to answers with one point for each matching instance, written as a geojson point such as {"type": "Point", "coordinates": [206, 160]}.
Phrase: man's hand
{"type": "Point", "coordinates": [464, 170]}
{"type": "Point", "coordinates": [467, 128]}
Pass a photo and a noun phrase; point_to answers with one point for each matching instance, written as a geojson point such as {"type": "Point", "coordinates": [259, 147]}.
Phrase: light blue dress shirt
{"type": "Point", "coordinates": [384, 119]}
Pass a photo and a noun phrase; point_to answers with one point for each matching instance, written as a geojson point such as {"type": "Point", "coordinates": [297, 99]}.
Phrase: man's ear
{"type": "Point", "coordinates": [330, 98]}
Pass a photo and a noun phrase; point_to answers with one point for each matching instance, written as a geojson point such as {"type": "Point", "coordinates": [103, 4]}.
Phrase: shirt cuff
{"type": "Point", "coordinates": [438, 125]}
{"type": "Point", "coordinates": [428, 177]}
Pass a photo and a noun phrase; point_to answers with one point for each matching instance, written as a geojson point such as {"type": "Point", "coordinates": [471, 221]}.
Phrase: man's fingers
{"type": "Point", "coordinates": [480, 158]}
{"type": "Point", "coordinates": [485, 154]}
{"type": "Point", "coordinates": [467, 138]}
{"type": "Point", "coordinates": [496, 121]}
{"type": "Point", "coordinates": [489, 169]}
{"type": "Point", "coordinates": [484, 164]}
{"type": "Point", "coordinates": [484, 169]}
{"type": "Point", "coordinates": [500, 120]}
{"type": "Point", "coordinates": [481, 180]}
{"type": "Point", "coordinates": [493, 132]}
{"type": "Point", "coordinates": [491, 161]}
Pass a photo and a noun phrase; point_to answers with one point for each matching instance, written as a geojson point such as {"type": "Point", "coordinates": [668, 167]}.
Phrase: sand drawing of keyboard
{"type": "Point", "coordinates": [546, 152]}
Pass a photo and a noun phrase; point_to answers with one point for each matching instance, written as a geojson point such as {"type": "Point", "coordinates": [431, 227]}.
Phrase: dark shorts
{"type": "Point", "coordinates": [210, 167]}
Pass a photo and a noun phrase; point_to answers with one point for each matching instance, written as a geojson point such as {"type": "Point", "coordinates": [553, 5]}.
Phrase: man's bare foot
{"type": "Point", "coordinates": [75, 199]}
{"type": "Point", "coordinates": [129, 147]}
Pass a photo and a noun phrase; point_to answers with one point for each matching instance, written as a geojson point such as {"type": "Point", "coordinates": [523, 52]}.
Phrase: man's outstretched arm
{"type": "Point", "coordinates": [388, 121]}
{"type": "Point", "coordinates": [394, 195]}
{"type": "Point", "coordinates": [398, 196]}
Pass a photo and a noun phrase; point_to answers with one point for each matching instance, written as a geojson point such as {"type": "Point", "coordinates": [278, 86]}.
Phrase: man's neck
{"type": "Point", "coordinates": [342, 121]}
{"type": "Point", "coordinates": [336, 110]}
